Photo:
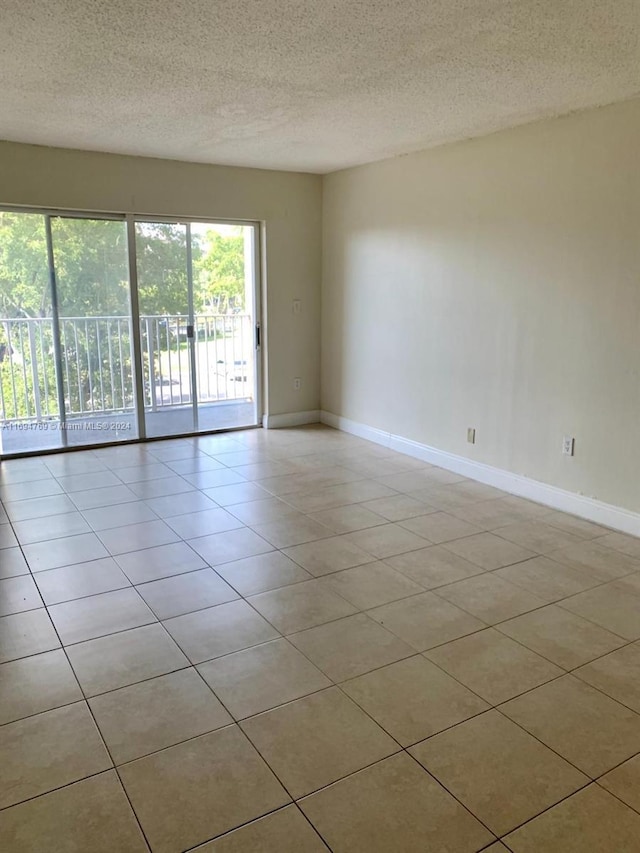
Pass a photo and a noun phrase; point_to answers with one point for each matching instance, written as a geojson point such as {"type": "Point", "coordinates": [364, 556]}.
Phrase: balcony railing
{"type": "Point", "coordinates": [95, 364]}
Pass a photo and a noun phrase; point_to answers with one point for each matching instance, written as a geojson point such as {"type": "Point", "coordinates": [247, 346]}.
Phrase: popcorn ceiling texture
{"type": "Point", "coordinates": [309, 85]}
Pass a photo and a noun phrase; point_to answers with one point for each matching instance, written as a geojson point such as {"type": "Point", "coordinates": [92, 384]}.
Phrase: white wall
{"type": "Point", "coordinates": [288, 203]}
{"type": "Point", "coordinates": [495, 283]}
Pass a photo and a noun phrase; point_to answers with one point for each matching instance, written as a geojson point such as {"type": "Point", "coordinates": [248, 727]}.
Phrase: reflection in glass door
{"type": "Point", "coordinates": [197, 302]}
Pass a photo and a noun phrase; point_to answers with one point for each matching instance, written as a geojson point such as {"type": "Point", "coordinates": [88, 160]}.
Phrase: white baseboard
{"type": "Point", "coordinates": [552, 496]}
{"type": "Point", "coordinates": [291, 419]}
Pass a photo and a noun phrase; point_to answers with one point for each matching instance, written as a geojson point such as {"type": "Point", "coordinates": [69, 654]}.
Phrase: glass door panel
{"type": "Point", "coordinates": [225, 326]}
{"type": "Point", "coordinates": [197, 303]}
{"type": "Point", "coordinates": [29, 402]}
{"type": "Point", "coordinates": [94, 358]}
{"type": "Point", "coordinates": [166, 320]}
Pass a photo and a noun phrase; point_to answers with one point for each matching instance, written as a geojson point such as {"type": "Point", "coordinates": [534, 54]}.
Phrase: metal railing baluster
{"type": "Point", "coordinates": [43, 369]}
{"type": "Point", "coordinates": [25, 383]}
{"type": "Point", "coordinates": [100, 374]}
{"type": "Point", "coordinates": [168, 339]}
{"type": "Point", "coordinates": [120, 355]}
{"type": "Point", "coordinates": [77, 351]}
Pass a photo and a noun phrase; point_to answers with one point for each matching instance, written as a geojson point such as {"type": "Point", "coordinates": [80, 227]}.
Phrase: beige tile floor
{"type": "Point", "coordinates": [297, 640]}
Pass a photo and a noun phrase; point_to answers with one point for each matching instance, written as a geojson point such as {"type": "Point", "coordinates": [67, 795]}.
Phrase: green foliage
{"type": "Point", "coordinates": [24, 293]}
{"type": "Point", "coordinates": [91, 264]}
{"type": "Point", "coordinates": [161, 250]}
{"type": "Point", "coordinates": [27, 373]}
{"type": "Point", "coordinates": [24, 273]}
{"type": "Point", "coordinates": [221, 272]}
{"type": "Point", "coordinates": [92, 281]}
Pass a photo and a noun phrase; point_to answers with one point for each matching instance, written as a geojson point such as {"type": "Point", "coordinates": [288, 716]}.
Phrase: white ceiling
{"type": "Point", "coordinates": [310, 85]}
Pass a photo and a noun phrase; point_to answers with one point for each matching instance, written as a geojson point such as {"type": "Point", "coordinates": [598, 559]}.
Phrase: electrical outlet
{"type": "Point", "coordinates": [297, 306]}
{"type": "Point", "coordinates": [297, 383]}
{"type": "Point", "coordinates": [568, 445]}
{"type": "Point", "coordinates": [471, 435]}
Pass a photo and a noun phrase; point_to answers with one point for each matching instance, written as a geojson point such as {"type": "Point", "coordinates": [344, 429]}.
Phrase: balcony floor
{"type": "Point", "coordinates": [102, 428]}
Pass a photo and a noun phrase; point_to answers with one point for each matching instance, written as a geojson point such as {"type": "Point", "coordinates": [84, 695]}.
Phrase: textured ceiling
{"type": "Point", "coordinates": [310, 85]}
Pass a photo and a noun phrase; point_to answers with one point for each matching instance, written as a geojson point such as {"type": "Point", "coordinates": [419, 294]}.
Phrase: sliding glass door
{"type": "Point", "coordinates": [93, 318]}
{"type": "Point", "coordinates": [199, 338]}
{"type": "Point", "coordinates": [114, 328]}
{"type": "Point", "coordinates": [29, 399]}
{"type": "Point", "coordinates": [65, 333]}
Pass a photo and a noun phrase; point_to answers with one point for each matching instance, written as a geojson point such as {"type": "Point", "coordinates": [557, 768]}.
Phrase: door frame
{"type": "Point", "coordinates": [130, 219]}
